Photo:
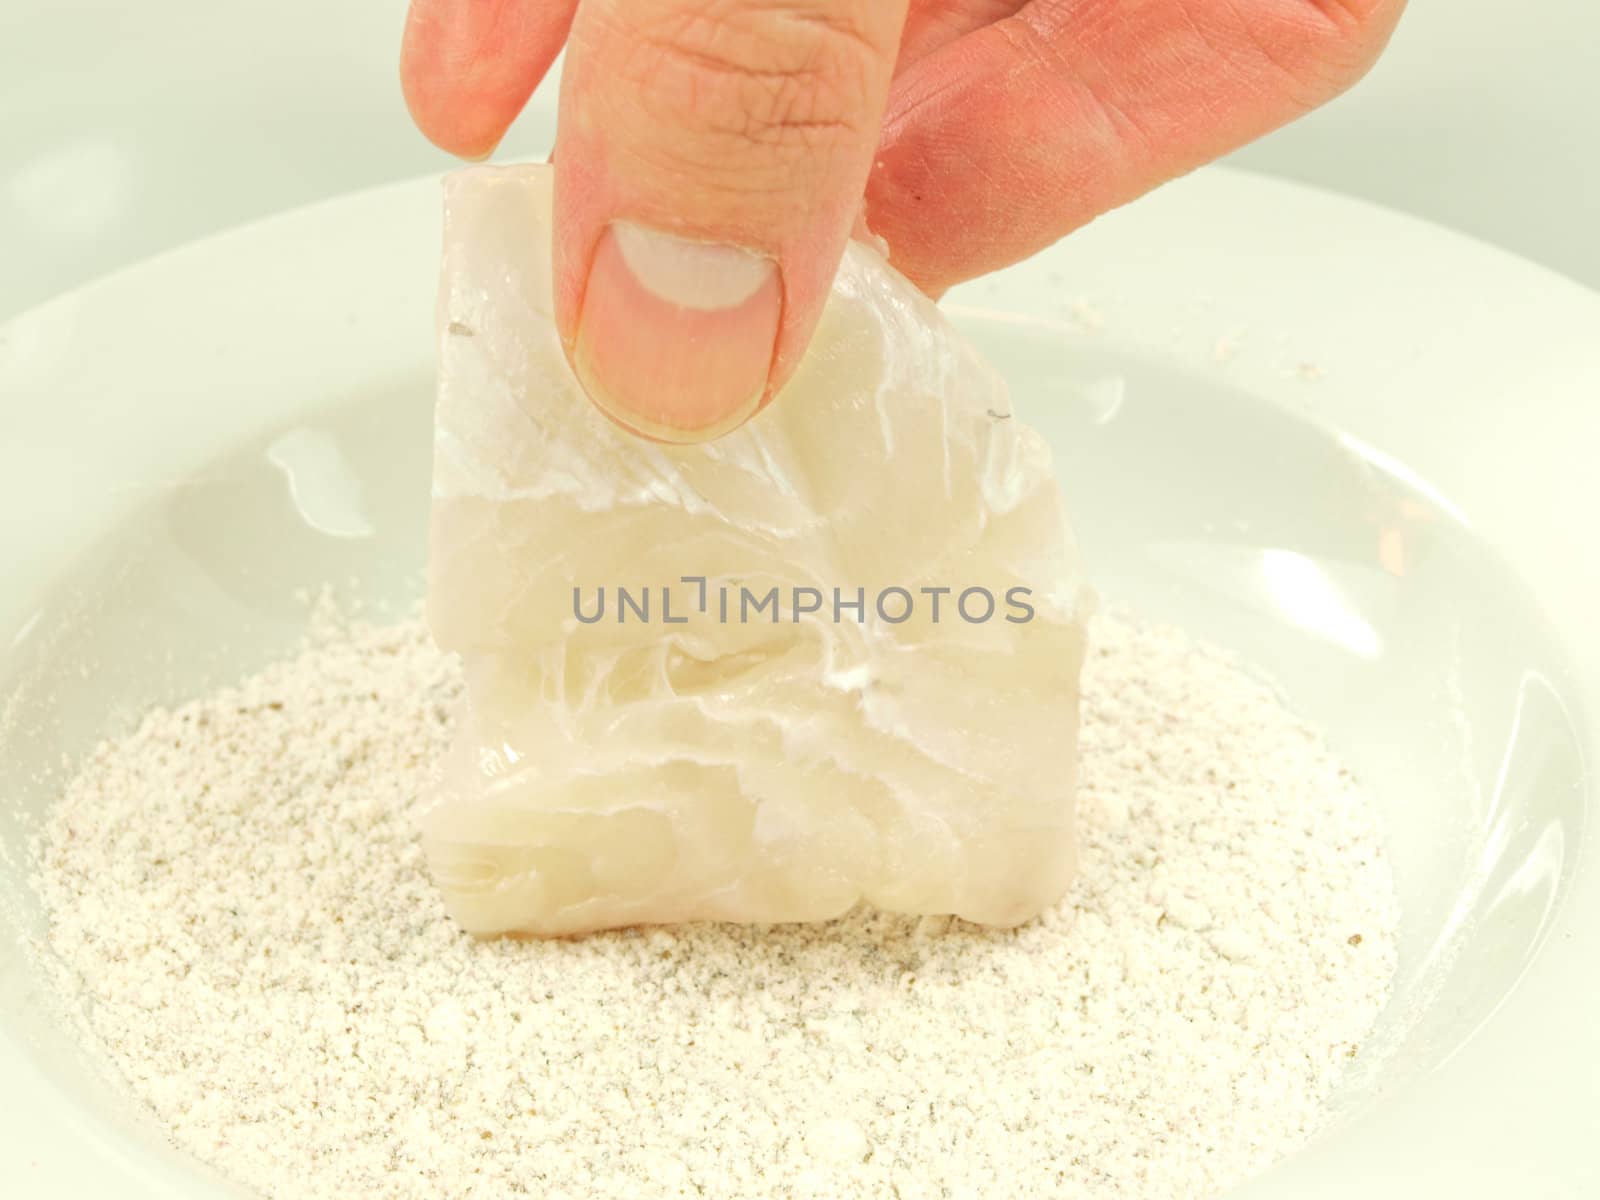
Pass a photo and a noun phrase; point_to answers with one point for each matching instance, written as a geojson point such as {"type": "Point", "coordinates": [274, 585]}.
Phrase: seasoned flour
{"type": "Point", "coordinates": [238, 912]}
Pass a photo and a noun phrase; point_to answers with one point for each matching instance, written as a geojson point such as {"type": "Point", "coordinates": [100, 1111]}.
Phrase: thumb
{"type": "Point", "coordinates": [710, 164]}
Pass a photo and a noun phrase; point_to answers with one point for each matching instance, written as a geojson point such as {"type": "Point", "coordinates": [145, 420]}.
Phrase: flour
{"type": "Point", "coordinates": [238, 909]}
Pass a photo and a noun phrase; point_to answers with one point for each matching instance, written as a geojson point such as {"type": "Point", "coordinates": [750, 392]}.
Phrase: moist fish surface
{"type": "Point", "coordinates": [831, 657]}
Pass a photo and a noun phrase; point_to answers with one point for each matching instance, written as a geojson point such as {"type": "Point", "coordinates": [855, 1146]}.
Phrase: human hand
{"type": "Point", "coordinates": [712, 156]}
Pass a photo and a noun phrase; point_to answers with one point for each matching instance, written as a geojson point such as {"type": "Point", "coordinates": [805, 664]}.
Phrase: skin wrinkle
{"type": "Point", "coordinates": [1352, 17]}
{"type": "Point", "coordinates": [1306, 89]}
{"type": "Point", "coordinates": [1293, 80]}
{"type": "Point", "coordinates": [1242, 77]}
{"type": "Point", "coordinates": [706, 164]}
{"type": "Point", "coordinates": [1335, 43]}
{"type": "Point", "coordinates": [1308, 27]}
{"type": "Point", "coordinates": [1049, 55]}
{"type": "Point", "coordinates": [1055, 19]}
{"type": "Point", "coordinates": [835, 23]}
{"type": "Point", "coordinates": [932, 24]}
{"type": "Point", "coordinates": [1365, 27]}
{"type": "Point", "coordinates": [809, 99]}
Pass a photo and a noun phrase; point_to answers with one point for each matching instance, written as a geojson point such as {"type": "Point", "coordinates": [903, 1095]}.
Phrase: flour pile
{"type": "Point", "coordinates": [241, 919]}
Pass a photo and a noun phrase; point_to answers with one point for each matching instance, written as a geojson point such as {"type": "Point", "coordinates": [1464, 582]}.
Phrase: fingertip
{"type": "Point", "coordinates": [441, 121]}
{"type": "Point", "coordinates": [467, 67]}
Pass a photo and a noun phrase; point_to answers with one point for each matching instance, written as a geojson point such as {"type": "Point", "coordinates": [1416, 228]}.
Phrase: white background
{"type": "Point", "coordinates": [127, 126]}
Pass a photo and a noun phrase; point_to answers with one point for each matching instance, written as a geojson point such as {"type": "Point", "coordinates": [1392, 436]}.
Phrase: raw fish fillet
{"type": "Point", "coordinates": [629, 771]}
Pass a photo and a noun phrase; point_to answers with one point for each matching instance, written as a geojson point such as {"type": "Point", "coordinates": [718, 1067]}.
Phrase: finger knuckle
{"type": "Point", "coordinates": [779, 77]}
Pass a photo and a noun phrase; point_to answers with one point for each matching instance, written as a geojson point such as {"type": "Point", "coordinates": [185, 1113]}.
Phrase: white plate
{"type": "Point", "coordinates": [1355, 448]}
